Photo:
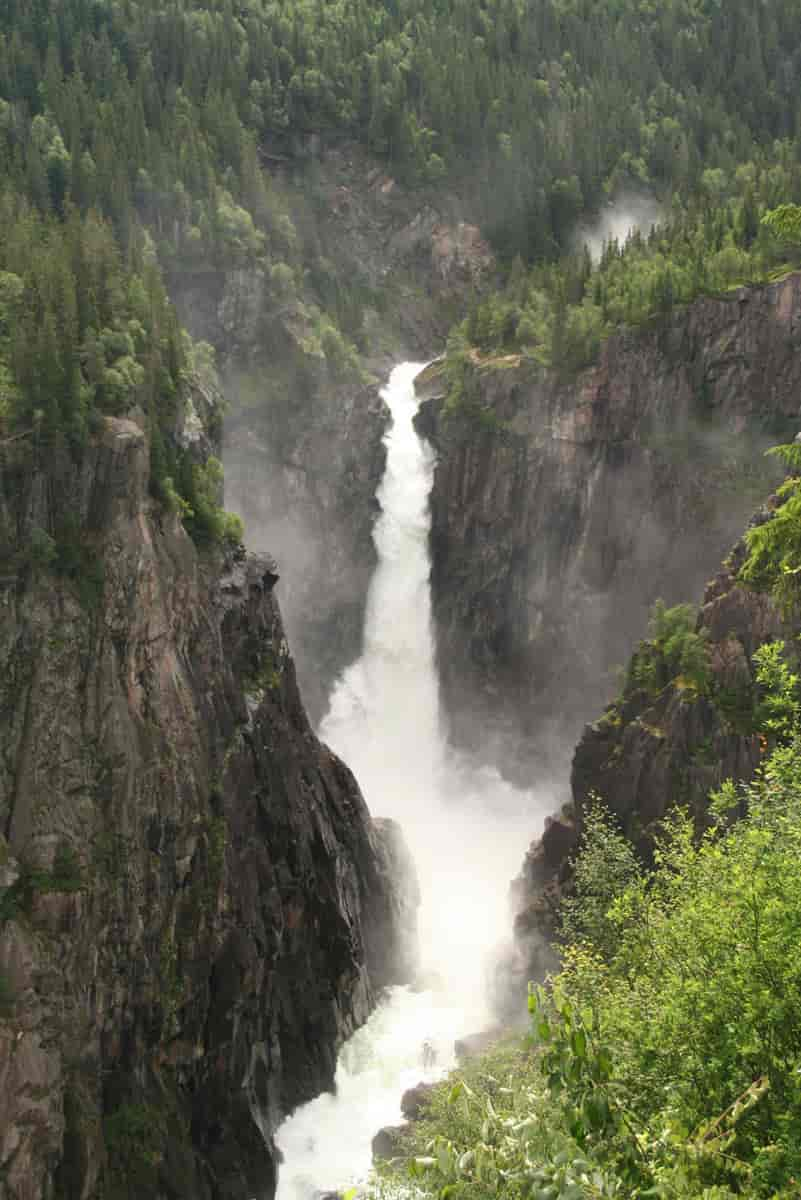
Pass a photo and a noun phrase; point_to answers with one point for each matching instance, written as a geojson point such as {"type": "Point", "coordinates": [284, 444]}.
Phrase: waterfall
{"type": "Point", "coordinates": [467, 830]}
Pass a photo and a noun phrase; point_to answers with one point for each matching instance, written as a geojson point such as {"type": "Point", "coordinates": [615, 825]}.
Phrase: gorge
{"type": "Point", "coordinates": [340, 695]}
{"type": "Point", "coordinates": [465, 827]}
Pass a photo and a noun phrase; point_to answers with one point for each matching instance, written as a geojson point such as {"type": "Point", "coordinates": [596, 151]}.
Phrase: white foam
{"type": "Point", "coordinates": [466, 827]}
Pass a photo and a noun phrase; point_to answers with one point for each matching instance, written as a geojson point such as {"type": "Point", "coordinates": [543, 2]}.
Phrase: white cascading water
{"type": "Point", "coordinates": [466, 828]}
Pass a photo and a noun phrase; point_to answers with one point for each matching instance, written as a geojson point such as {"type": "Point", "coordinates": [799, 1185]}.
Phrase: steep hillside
{"type": "Point", "coordinates": [702, 702]}
{"type": "Point", "coordinates": [562, 509]}
{"type": "Point", "coordinates": [195, 907]}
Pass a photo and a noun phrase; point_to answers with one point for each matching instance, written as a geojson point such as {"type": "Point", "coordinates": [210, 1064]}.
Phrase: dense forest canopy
{"type": "Point", "coordinates": [166, 110]}
{"type": "Point", "coordinates": [136, 137]}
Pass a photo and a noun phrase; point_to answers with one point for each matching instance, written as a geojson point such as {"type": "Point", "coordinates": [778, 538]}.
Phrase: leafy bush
{"type": "Point", "coordinates": [784, 223]}
{"type": "Point", "coordinates": [605, 867]}
{"type": "Point", "coordinates": [773, 562]}
{"type": "Point", "coordinates": [703, 994]}
{"type": "Point", "coordinates": [203, 515]}
{"type": "Point", "coordinates": [134, 1139]}
{"type": "Point", "coordinates": [675, 652]}
{"type": "Point", "coordinates": [779, 707]}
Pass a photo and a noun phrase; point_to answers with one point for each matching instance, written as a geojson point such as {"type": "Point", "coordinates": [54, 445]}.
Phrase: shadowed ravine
{"type": "Point", "coordinates": [467, 830]}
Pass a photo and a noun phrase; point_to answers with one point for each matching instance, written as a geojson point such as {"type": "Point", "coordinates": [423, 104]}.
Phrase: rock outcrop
{"type": "Point", "coordinates": [388, 1142]}
{"type": "Point", "coordinates": [655, 749]}
{"type": "Point", "coordinates": [195, 907]}
{"type": "Point", "coordinates": [303, 474]}
{"type": "Point", "coordinates": [562, 509]}
{"type": "Point", "coordinates": [416, 1100]}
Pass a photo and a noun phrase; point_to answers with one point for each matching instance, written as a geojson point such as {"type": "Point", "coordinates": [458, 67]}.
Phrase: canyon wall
{"type": "Point", "coordinates": [563, 508]}
{"type": "Point", "coordinates": [195, 906]}
{"type": "Point", "coordinates": [662, 743]}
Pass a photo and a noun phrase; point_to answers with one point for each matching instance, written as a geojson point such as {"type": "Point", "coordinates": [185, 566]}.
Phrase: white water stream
{"type": "Point", "coordinates": [467, 830]}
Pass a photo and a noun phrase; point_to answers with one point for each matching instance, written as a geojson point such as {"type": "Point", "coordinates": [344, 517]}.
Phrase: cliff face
{"type": "Point", "coordinates": [303, 475]}
{"type": "Point", "coordinates": [195, 907]}
{"type": "Point", "coordinates": [654, 749]}
{"type": "Point", "coordinates": [562, 510]}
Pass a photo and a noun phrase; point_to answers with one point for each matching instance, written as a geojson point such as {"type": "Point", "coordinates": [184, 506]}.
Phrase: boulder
{"type": "Point", "coordinates": [415, 1101]}
{"type": "Point", "coordinates": [475, 1043]}
{"type": "Point", "coordinates": [388, 1142]}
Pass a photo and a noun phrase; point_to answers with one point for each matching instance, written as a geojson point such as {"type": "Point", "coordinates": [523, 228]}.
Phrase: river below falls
{"type": "Point", "coordinates": [466, 827]}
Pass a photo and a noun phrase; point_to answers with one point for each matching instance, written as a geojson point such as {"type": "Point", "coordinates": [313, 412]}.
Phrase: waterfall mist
{"type": "Point", "coordinates": [466, 827]}
{"type": "Point", "coordinates": [628, 212]}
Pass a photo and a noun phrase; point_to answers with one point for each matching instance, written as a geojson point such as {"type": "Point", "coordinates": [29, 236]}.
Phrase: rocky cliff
{"type": "Point", "coordinates": [563, 508]}
{"type": "Point", "coordinates": [665, 744]}
{"type": "Point", "coordinates": [195, 907]}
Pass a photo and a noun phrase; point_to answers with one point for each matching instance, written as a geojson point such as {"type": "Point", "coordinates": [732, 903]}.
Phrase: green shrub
{"type": "Point", "coordinates": [779, 707]}
{"type": "Point", "coordinates": [773, 562]}
{"type": "Point", "coordinates": [199, 498]}
{"type": "Point", "coordinates": [134, 1138]}
{"type": "Point", "coordinates": [605, 867]}
{"type": "Point", "coordinates": [702, 996]}
{"type": "Point", "coordinates": [675, 652]}
{"type": "Point", "coordinates": [6, 997]}
{"type": "Point", "coordinates": [669, 1065]}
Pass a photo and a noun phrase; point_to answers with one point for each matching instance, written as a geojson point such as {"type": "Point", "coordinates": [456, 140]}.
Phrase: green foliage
{"type": "Point", "coordinates": [202, 512]}
{"type": "Point", "coordinates": [780, 706]}
{"type": "Point", "coordinates": [134, 1137]}
{"type": "Point", "coordinates": [773, 562]}
{"type": "Point", "coordinates": [701, 996]}
{"type": "Point", "coordinates": [669, 1065]}
{"type": "Point", "coordinates": [485, 1133]}
{"type": "Point", "coordinates": [6, 997]}
{"type": "Point", "coordinates": [559, 314]}
{"type": "Point", "coordinates": [540, 110]}
{"type": "Point", "coordinates": [675, 653]}
{"type": "Point", "coordinates": [605, 867]}
{"type": "Point", "coordinates": [66, 876]}
{"type": "Point", "coordinates": [84, 336]}
{"type": "Point", "coordinates": [784, 223]}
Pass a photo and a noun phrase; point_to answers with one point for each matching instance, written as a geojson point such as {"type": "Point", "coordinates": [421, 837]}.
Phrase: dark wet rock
{"type": "Point", "coordinates": [388, 1142]}
{"type": "Point", "coordinates": [415, 1100]}
{"type": "Point", "coordinates": [397, 955]}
